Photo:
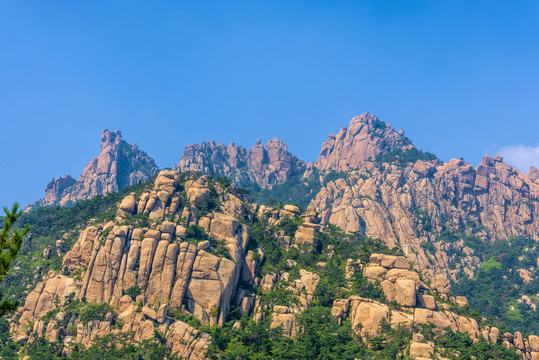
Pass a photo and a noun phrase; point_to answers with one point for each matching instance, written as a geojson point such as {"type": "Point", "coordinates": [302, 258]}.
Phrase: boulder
{"type": "Point", "coordinates": [422, 350]}
{"type": "Point", "coordinates": [292, 208]}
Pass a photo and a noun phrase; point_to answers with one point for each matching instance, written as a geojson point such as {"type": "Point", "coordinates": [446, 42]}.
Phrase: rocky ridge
{"type": "Point", "coordinates": [405, 201]}
{"type": "Point", "coordinates": [118, 165]}
{"type": "Point", "coordinates": [149, 266]}
{"type": "Point", "coordinates": [264, 166]}
{"type": "Point", "coordinates": [423, 201]}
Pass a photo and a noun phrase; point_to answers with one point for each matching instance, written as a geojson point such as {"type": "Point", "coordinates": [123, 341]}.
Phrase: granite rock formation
{"type": "Point", "coordinates": [118, 165]}
{"type": "Point", "coordinates": [265, 166]}
{"type": "Point", "coordinates": [365, 138]}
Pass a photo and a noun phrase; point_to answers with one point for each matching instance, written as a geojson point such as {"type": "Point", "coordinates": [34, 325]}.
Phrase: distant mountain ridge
{"type": "Point", "coordinates": [264, 166]}
{"type": "Point", "coordinates": [118, 165]}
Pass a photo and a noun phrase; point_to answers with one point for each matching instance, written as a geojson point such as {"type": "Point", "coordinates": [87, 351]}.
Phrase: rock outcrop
{"type": "Point", "coordinates": [365, 138]}
{"type": "Point", "coordinates": [413, 205]}
{"type": "Point", "coordinates": [265, 166]}
{"type": "Point", "coordinates": [118, 165]}
{"type": "Point", "coordinates": [171, 273]}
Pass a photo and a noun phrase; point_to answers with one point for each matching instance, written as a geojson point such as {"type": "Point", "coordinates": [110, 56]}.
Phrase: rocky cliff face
{"type": "Point", "coordinates": [434, 203]}
{"type": "Point", "coordinates": [265, 166]}
{"type": "Point", "coordinates": [185, 247]}
{"type": "Point", "coordinates": [148, 267]}
{"type": "Point", "coordinates": [365, 138]}
{"type": "Point", "coordinates": [118, 165]}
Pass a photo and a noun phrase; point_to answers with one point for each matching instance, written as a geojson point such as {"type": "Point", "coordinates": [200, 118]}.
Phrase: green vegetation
{"type": "Point", "coordinates": [176, 314]}
{"type": "Point", "coordinates": [10, 243]}
{"type": "Point", "coordinates": [133, 292]}
{"type": "Point", "coordinates": [333, 247]}
{"type": "Point", "coordinates": [403, 157]}
{"type": "Point", "coordinates": [194, 234]}
{"type": "Point", "coordinates": [52, 223]}
{"type": "Point", "coordinates": [497, 285]}
{"type": "Point", "coordinates": [296, 190]}
{"type": "Point", "coordinates": [109, 347]}
{"type": "Point", "coordinates": [73, 309]}
{"type": "Point", "coordinates": [320, 337]}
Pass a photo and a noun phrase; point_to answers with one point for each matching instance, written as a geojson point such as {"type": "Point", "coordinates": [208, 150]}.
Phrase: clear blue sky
{"type": "Point", "coordinates": [461, 77]}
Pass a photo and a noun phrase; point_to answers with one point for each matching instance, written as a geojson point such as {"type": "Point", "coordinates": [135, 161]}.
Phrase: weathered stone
{"type": "Point", "coordinates": [265, 166]}
{"type": "Point", "coordinates": [427, 301]}
{"type": "Point", "coordinates": [423, 350]}
{"type": "Point", "coordinates": [167, 227]}
{"type": "Point", "coordinates": [149, 313]}
{"type": "Point", "coordinates": [292, 208]}
{"type": "Point", "coordinates": [117, 166]}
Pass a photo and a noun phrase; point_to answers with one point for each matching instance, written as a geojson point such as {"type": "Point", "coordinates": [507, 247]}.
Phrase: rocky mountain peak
{"type": "Point", "coordinates": [366, 137]}
{"type": "Point", "coordinates": [534, 174]}
{"type": "Point", "coordinates": [264, 165]}
{"type": "Point", "coordinates": [119, 164]}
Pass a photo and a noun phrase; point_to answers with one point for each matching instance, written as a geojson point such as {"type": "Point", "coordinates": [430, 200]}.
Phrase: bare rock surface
{"type": "Point", "coordinates": [265, 166]}
{"type": "Point", "coordinates": [118, 165]}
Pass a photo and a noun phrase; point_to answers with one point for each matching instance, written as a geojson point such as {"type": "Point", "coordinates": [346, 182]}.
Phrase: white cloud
{"type": "Point", "coordinates": [520, 156]}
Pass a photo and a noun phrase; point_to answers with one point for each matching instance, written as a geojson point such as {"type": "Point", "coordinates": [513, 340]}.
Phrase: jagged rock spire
{"type": "Point", "coordinates": [119, 164]}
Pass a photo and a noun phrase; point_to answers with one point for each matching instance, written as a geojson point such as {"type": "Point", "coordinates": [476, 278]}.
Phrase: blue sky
{"type": "Point", "coordinates": [461, 77]}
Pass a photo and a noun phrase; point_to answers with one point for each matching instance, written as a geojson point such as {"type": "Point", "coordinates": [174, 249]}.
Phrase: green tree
{"type": "Point", "coordinates": [10, 243]}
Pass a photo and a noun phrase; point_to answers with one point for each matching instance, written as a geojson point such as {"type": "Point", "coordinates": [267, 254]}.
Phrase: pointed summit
{"type": "Point", "coordinates": [119, 164]}
{"type": "Point", "coordinates": [365, 138]}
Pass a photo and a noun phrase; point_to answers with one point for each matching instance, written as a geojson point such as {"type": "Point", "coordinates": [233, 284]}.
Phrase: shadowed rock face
{"type": "Point", "coordinates": [365, 138]}
{"type": "Point", "coordinates": [118, 165]}
{"type": "Point", "coordinates": [265, 166]}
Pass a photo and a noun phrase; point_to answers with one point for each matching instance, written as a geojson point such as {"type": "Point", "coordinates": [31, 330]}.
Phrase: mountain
{"type": "Point", "coordinates": [119, 164]}
{"type": "Point", "coordinates": [366, 138]}
{"type": "Point", "coordinates": [263, 166]}
{"type": "Point", "coordinates": [188, 260]}
{"type": "Point", "coordinates": [395, 254]}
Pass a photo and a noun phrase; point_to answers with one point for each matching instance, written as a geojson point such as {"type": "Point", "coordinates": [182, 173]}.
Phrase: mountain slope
{"type": "Point", "coordinates": [190, 261]}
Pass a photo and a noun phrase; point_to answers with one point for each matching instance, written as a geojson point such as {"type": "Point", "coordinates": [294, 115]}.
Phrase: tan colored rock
{"type": "Point", "coordinates": [292, 208]}
{"type": "Point", "coordinates": [418, 349]}
{"type": "Point", "coordinates": [162, 313]}
{"type": "Point", "coordinates": [168, 227]}
{"type": "Point", "coordinates": [363, 140]}
{"type": "Point", "coordinates": [441, 284]}
{"type": "Point", "coordinates": [180, 231]}
{"type": "Point", "coordinates": [147, 251]}
{"type": "Point", "coordinates": [427, 301]}
{"type": "Point", "coordinates": [401, 319]}
{"type": "Point", "coordinates": [375, 273]}
{"type": "Point", "coordinates": [309, 280]}
{"type": "Point", "coordinates": [403, 291]}
{"type": "Point", "coordinates": [461, 301]}
{"type": "Point", "coordinates": [149, 313]}
{"type": "Point", "coordinates": [286, 321]}
{"type": "Point", "coordinates": [224, 225]}
{"type": "Point", "coordinates": [198, 196]}
{"type": "Point", "coordinates": [533, 340]}
{"type": "Point", "coordinates": [304, 235]}
{"type": "Point", "coordinates": [366, 316]}
{"type": "Point", "coordinates": [439, 319]}
{"type": "Point", "coordinates": [184, 266]}
{"type": "Point", "coordinates": [128, 204]}
{"type": "Point", "coordinates": [494, 334]}
{"type": "Point", "coordinates": [340, 309]}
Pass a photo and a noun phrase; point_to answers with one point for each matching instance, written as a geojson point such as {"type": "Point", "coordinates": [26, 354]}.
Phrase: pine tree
{"type": "Point", "coordinates": [10, 243]}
